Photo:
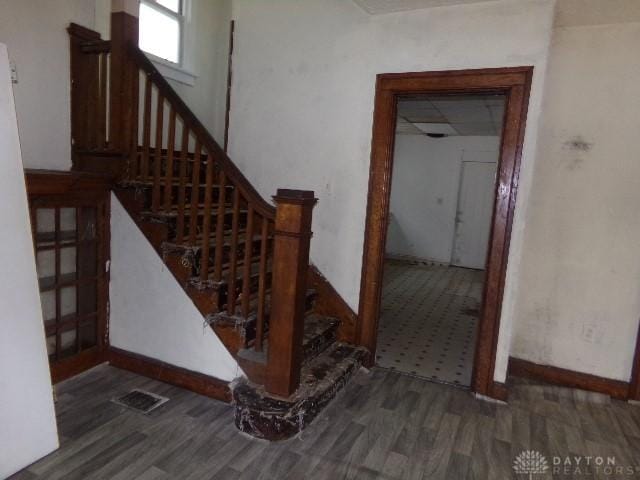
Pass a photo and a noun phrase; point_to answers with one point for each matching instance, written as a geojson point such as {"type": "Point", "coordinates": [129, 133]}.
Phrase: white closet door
{"type": "Point", "coordinates": [473, 217]}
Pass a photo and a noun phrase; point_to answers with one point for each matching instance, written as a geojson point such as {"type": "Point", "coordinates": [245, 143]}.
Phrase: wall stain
{"type": "Point", "coordinates": [578, 144]}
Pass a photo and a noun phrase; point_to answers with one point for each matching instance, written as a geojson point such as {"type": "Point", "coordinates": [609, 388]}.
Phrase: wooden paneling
{"type": "Point", "coordinates": [55, 182]}
{"type": "Point", "coordinates": [514, 83]}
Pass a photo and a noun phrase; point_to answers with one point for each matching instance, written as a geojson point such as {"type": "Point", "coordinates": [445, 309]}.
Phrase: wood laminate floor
{"type": "Point", "coordinates": [429, 320]}
{"type": "Point", "coordinates": [384, 425]}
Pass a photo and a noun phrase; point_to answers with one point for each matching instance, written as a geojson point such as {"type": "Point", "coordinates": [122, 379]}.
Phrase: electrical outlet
{"type": "Point", "coordinates": [14, 71]}
{"type": "Point", "coordinates": [589, 333]}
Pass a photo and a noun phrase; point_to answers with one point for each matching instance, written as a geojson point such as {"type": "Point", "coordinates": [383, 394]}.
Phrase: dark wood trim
{"type": "Point", "coordinates": [72, 366]}
{"type": "Point", "coordinates": [568, 378]}
{"type": "Point", "coordinates": [83, 33]}
{"type": "Point", "coordinates": [55, 182]}
{"type": "Point", "coordinates": [634, 386]}
{"type": "Point", "coordinates": [515, 84]}
{"type": "Point", "coordinates": [329, 302]}
{"type": "Point", "coordinates": [123, 83]}
{"type": "Point", "coordinates": [227, 111]}
{"type": "Point", "coordinates": [498, 391]}
{"type": "Point", "coordinates": [164, 372]}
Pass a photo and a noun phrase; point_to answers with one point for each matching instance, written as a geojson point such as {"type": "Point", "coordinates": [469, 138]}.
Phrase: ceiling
{"type": "Point", "coordinates": [375, 7]}
{"type": "Point", "coordinates": [568, 12]}
{"type": "Point", "coordinates": [451, 115]}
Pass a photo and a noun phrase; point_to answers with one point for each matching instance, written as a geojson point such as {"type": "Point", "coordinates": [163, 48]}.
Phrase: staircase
{"type": "Point", "coordinates": [243, 262]}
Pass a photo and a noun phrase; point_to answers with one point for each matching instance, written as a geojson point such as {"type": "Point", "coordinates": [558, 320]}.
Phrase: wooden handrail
{"type": "Point", "coordinates": [200, 131]}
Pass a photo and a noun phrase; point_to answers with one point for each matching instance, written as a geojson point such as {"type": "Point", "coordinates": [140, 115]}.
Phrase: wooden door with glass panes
{"type": "Point", "coordinates": [70, 238]}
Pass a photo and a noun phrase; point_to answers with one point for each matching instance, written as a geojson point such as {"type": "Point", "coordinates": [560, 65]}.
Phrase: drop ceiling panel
{"type": "Point", "coordinates": [463, 113]}
{"type": "Point", "coordinates": [437, 128]}
{"type": "Point", "coordinates": [476, 129]}
{"type": "Point", "coordinates": [479, 115]}
{"type": "Point", "coordinates": [377, 7]}
{"type": "Point", "coordinates": [407, 128]}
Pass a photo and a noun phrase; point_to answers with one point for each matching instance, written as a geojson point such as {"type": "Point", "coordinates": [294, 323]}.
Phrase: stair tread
{"type": "Point", "coordinates": [319, 333]}
{"type": "Point", "coordinates": [327, 366]}
{"type": "Point", "coordinates": [316, 324]}
{"type": "Point", "coordinates": [224, 317]}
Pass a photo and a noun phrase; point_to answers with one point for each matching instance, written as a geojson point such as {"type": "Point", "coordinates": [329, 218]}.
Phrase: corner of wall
{"type": "Point", "coordinates": [150, 314]}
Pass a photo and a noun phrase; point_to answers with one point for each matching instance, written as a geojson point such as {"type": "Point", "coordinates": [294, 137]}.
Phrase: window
{"type": "Point", "coordinates": [161, 23]}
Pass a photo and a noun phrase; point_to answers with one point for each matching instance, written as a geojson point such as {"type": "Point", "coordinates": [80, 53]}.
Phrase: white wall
{"type": "Point", "coordinates": [35, 32]}
{"type": "Point", "coordinates": [151, 314]}
{"type": "Point", "coordinates": [579, 300]}
{"type": "Point", "coordinates": [424, 192]}
{"type": "Point", "coordinates": [302, 106]}
{"type": "Point", "coordinates": [206, 53]}
{"type": "Point", "coordinates": [27, 418]}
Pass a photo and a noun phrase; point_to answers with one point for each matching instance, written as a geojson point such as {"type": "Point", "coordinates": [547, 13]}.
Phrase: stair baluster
{"type": "Point", "coordinates": [168, 173]}
{"type": "Point", "coordinates": [182, 197]}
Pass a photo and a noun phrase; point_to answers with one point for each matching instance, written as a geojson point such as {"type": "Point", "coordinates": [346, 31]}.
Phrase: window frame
{"type": "Point", "coordinates": [180, 17]}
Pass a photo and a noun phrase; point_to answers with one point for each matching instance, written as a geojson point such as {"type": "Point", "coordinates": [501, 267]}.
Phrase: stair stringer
{"type": "Point", "coordinates": [151, 314]}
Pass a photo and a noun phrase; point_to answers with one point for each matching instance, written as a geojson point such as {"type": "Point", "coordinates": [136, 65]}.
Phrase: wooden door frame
{"type": "Point", "coordinates": [634, 383]}
{"type": "Point", "coordinates": [515, 84]}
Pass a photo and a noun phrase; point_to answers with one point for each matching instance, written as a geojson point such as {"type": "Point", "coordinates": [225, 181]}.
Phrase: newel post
{"type": "Point", "coordinates": [123, 76]}
{"type": "Point", "coordinates": [292, 238]}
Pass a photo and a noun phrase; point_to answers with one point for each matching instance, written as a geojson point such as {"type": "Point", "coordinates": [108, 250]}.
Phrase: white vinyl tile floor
{"type": "Point", "coordinates": [429, 320]}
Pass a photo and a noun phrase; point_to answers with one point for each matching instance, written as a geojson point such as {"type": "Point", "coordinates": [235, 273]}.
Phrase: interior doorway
{"type": "Point", "coordinates": [513, 85]}
{"type": "Point", "coordinates": [446, 152]}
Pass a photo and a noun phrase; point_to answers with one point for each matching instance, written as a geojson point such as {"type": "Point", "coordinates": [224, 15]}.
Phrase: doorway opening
{"type": "Point", "coordinates": [442, 193]}
{"type": "Point", "coordinates": [511, 86]}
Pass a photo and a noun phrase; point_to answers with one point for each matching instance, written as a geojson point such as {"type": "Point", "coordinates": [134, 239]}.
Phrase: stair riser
{"type": "Point", "coordinates": [319, 344]}
{"type": "Point", "coordinates": [249, 326]}
{"type": "Point", "coordinates": [172, 223]}
{"type": "Point", "coordinates": [194, 260]}
{"type": "Point", "coordinates": [223, 292]}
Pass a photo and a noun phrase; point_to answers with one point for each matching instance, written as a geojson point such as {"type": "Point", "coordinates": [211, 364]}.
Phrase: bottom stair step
{"type": "Point", "coordinates": [319, 333]}
{"type": "Point", "coordinates": [264, 416]}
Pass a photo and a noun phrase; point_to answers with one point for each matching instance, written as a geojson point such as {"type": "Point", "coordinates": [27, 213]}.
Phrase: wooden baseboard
{"type": "Point", "coordinates": [498, 391]}
{"type": "Point", "coordinates": [77, 364]}
{"type": "Point", "coordinates": [329, 302]}
{"type": "Point", "coordinates": [164, 372]}
{"type": "Point", "coordinates": [568, 378]}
